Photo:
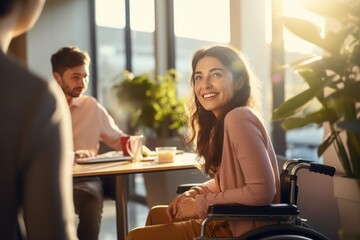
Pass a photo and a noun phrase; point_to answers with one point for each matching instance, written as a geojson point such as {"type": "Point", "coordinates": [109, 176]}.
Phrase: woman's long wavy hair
{"type": "Point", "coordinates": [207, 131]}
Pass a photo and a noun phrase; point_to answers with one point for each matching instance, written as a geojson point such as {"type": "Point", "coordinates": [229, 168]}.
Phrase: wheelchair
{"type": "Point", "coordinates": [289, 225]}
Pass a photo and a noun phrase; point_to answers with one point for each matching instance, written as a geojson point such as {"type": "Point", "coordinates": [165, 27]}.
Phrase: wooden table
{"type": "Point", "coordinates": [120, 170]}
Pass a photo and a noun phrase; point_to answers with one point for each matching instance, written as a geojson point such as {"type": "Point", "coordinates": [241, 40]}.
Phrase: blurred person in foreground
{"type": "Point", "coordinates": [36, 144]}
{"type": "Point", "coordinates": [231, 138]}
{"type": "Point", "coordinates": [91, 123]}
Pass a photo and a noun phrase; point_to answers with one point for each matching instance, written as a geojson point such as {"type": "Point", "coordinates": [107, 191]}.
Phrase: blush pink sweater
{"type": "Point", "coordinates": [248, 173]}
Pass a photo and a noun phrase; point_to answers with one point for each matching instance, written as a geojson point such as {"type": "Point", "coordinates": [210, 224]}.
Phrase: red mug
{"type": "Point", "coordinates": [124, 140]}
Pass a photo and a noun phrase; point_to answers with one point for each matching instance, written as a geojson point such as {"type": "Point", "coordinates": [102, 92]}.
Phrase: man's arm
{"type": "Point", "coordinates": [110, 132]}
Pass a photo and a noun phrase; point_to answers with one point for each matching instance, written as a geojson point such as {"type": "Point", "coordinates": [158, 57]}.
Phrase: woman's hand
{"type": "Point", "coordinates": [174, 210]}
{"type": "Point", "coordinates": [186, 209]}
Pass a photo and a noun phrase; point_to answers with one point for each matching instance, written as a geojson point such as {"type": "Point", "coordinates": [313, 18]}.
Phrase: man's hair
{"type": "Point", "coordinates": [68, 57]}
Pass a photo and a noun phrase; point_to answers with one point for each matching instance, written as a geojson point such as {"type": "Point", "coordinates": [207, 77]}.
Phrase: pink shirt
{"type": "Point", "coordinates": [91, 123]}
{"type": "Point", "coordinates": [248, 173]}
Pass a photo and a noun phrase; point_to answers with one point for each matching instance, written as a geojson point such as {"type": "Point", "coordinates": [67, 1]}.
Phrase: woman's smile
{"type": "Point", "coordinates": [209, 96]}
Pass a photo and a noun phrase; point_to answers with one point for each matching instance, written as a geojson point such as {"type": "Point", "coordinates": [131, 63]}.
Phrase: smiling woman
{"type": "Point", "coordinates": [237, 152]}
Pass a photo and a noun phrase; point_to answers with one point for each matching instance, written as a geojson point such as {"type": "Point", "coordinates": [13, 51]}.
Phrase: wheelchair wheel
{"type": "Point", "coordinates": [278, 232]}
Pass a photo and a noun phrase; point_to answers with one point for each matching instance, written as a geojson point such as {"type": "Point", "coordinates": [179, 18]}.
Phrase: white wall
{"type": "Point", "coordinates": [318, 204]}
{"type": "Point", "coordinates": [62, 22]}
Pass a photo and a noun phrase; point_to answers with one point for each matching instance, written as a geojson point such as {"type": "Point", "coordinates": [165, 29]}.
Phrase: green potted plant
{"type": "Point", "coordinates": [333, 79]}
{"type": "Point", "coordinates": [152, 103]}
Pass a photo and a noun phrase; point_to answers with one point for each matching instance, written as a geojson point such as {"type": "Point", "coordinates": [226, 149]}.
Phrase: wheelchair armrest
{"type": "Point", "coordinates": [239, 210]}
{"type": "Point", "coordinates": [184, 187]}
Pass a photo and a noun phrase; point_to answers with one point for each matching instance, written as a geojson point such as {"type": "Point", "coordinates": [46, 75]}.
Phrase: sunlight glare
{"type": "Point", "coordinates": [110, 13]}
{"type": "Point", "coordinates": [142, 15]}
{"type": "Point", "coordinates": [292, 43]}
{"type": "Point", "coordinates": [207, 20]}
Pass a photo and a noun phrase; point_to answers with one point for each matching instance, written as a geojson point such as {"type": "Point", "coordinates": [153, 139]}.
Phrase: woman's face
{"type": "Point", "coordinates": [214, 85]}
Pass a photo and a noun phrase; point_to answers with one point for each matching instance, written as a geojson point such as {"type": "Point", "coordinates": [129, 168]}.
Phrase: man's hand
{"type": "Point", "coordinates": [83, 154]}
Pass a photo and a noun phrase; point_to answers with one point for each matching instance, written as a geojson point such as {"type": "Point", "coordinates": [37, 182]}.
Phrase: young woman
{"type": "Point", "coordinates": [230, 137]}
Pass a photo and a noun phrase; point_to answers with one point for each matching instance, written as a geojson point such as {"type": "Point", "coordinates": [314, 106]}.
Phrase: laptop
{"type": "Point", "coordinates": [111, 156]}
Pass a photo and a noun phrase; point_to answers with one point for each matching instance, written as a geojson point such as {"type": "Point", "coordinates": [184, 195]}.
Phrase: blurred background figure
{"type": "Point", "coordinates": [36, 145]}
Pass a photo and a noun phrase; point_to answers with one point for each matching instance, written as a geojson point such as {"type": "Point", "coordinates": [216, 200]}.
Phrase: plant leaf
{"type": "Point", "coordinates": [307, 31]}
{"type": "Point", "coordinates": [307, 61]}
{"type": "Point", "coordinates": [334, 40]}
{"type": "Point", "coordinates": [295, 104]}
{"type": "Point", "coordinates": [335, 63]}
{"type": "Point", "coordinates": [317, 117]}
{"type": "Point", "coordinates": [353, 143]}
{"type": "Point", "coordinates": [325, 144]}
{"type": "Point", "coordinates": [312, 33]}
{"type": "Point", "coordinates": [329, 8]}
{"type": "Point", "coordinates": [350, 125]}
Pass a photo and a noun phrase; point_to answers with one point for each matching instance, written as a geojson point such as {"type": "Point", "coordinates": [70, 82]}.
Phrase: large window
{"type": "Point", "coordinates": [142, 24]}
{"type": "Point", "coordinates": [197, 24]}
{"type": "Point", "coordinates": [124, 41]}
{"type": "Point", "coordinates": [110, 48]}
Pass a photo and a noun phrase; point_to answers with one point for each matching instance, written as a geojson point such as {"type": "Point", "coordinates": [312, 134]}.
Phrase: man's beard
{"type": "Point", "coordinates": [75, 92]}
